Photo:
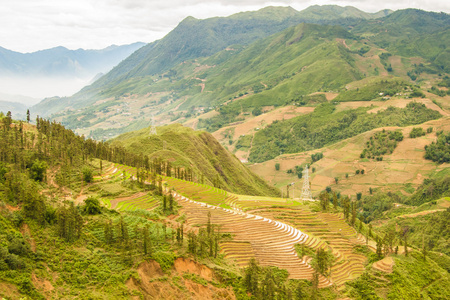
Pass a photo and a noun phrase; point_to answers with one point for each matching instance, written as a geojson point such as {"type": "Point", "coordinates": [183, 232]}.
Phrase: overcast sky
{"type": "Point", "coordinates": [31, 25]}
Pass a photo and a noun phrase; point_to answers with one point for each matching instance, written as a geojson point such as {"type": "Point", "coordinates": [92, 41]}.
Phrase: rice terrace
{"type": "Point", "coordinates": [277, 153]}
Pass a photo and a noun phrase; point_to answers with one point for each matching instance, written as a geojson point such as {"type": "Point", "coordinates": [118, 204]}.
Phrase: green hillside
{"type": "Point", "coordinates": [199, 151]}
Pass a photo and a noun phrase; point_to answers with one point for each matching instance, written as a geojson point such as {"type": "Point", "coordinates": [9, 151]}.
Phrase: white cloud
{"type": "Point", "coordinates": [30, 25]}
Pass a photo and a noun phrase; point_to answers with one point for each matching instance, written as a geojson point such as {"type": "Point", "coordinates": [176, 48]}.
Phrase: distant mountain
{"type": "Point", "coordinates": [332, 12]}
{"type": "Point", "coordinates": [27, 101]}
{"type": "Point", "coordinates": [57, 71]}
{"type": "Point", "coordinates": [18, 110]}
{"type": "Point", "coordinates": [63, 62]}
{"type": "Point", "coordinates": [16, 104]}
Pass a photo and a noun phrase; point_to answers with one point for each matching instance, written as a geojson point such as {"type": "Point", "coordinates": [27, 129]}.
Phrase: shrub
{"type": "Point", "coordinates": [38, 169]}
{"type": "Point", "coordinates": [277, 166]}
{"type": "Point", "coordinates": [257, 111]}
{"type": "Point", "coordinates": [87, 174]}
{"type": "Point", "coordinates": [91, 206]}
{"type": "Point", "coordinates": [417, 94]}
{"type": "Point", "coordinates": [416, 132]}
{"type": "Point", "coordinates": [439, 151]}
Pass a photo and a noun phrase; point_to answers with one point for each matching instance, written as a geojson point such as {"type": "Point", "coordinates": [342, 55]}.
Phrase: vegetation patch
{"type": "Point", "coordinates": [373, 90]}
{"type": "Point", "coordinates": [381, 143]}
{"type": "Point", "coordinates": [439, 151]}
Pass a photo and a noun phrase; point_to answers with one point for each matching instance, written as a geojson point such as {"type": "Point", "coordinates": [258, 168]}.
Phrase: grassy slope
{"type": "Point", "coordinates": [200, 151]}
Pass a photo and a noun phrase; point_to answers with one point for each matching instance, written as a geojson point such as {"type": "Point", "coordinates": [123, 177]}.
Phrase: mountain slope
{"type": "Point", "coordinates": [193, 39]}
{"type": "Point", "coordinates": [198, 150]}
{"type": "Point", "coordinates": [412, 32]}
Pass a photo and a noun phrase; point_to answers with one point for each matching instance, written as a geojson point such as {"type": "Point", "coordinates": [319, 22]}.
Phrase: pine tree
{"type": "Point", "coordinates": [299, 292]}
{"type": "Point", "coordinates": [379, 248]}
{"type": "Point", "coordinates": [147, 241]}
{"type": "Point", "coordinates": [353, 214]}
{"type": "Point", "coordinates": [170, 202]}
{"type": "Point", "coordinates": [123, 231]}
{"type": "Point", "coordinates": [315, 285]}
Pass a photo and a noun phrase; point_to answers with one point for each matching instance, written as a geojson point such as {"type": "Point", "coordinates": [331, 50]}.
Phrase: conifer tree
{"type": "Point", "coordinates": [147, 241]}
{"type": "Point", "coordinates": [108, 231]}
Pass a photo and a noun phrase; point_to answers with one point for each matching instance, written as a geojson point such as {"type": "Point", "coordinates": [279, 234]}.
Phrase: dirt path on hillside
{"type": "Point", "coordinates": [202, 84]}
{"type": "Point", "coordinates": [342, 41]}
{"type": "Point", "coordinates": [81, 196]}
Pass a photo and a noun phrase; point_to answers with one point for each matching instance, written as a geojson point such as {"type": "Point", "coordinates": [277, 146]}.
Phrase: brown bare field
{"type": "Point", "coordinates": [328, 95]}
{"type": "Point", "coordinates": [397, 65]}
{"type": "Point", "coordinates": [445, 203]}
{"type": "Point", "coordinates": [406, 165]}
{"type": "Point", "coordinates": [283, 113]}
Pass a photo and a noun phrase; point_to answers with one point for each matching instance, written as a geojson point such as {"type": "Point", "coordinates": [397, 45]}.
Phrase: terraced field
{"type": "Point", "coordinates": [328, 231]}
{"type": "Point", "coordinates": [137, 201]}
{"type": "Point", "coordinates": [200, 192]}
{"type": "Point", "coordinates": [270, 242]}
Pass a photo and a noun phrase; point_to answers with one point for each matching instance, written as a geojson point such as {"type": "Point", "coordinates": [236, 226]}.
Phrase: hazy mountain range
{"type": "Point", "coordinates": [57, 71]}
